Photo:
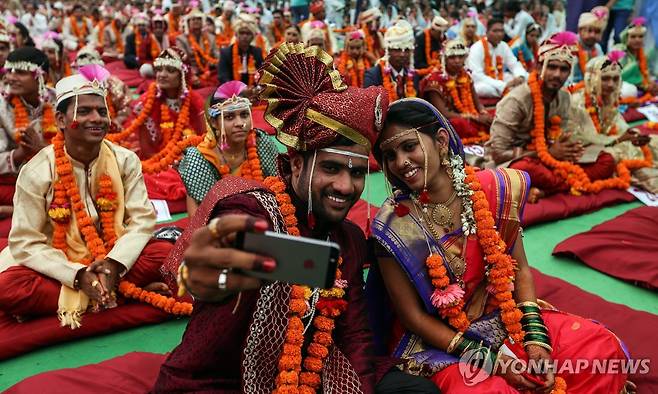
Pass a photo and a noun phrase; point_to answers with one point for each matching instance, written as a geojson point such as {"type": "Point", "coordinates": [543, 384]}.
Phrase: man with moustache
{"type": "Point", "coordinates": [512, 144]}
{"type": "Point", "coordinates": [590, 29]}
{"type": "Point", "coordinates": [251, 57]}
{"type": "Point", "coordinates": [243, 333]}
{"type": "Point", "coordinates": [73, 237]}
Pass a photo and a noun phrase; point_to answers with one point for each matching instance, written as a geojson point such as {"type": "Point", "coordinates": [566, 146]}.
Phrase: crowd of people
{"type": "Point", "coordinates": [398, 88]}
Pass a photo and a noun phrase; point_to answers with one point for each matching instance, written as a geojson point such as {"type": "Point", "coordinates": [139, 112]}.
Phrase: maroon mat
{"type": "Point", "coordinates": [625, 247]}
{"type": "Point", "coordinates": [18, 338]}
{"type": "Point", "coordinates": [560, 206]}
{"type": "Point", "coordinates": [635, 328]}
{"type": "Point", "coordinates": [633, 115]}
{"type": "Point", "coordinates": [128, 76]}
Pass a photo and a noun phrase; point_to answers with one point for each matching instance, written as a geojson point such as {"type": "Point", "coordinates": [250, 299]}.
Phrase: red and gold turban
{"type": "Point", "coordinates": [310, 106]}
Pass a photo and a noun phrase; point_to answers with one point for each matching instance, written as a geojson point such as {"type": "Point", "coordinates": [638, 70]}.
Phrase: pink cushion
{"type": "Point", "coordinates": [18, 338]}
{"type": "Point", "coordinates": [562, 205]}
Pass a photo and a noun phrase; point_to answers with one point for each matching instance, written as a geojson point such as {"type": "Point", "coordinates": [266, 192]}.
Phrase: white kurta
{"type": "Point", "coordinates": [486, 86]}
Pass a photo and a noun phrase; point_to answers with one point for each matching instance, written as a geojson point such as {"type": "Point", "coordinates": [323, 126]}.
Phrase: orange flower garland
{"type": "Point", "coordinates": [22, 120]}
{"type": "Point", "coordinates": [593, 112]}
{"type": "Point", "coordinates": [117, 35]}
{"type": "Point", "coordinates": [432, 57]}
{"type": "Point", "coordinates": [172, 27]}
{"type": "Point", "coordinates": [644, 70]}
{"type": "Point", "coordinates": [572, 173]}
{"type": "Point", "coordinates": [250, 168]}
{"type": "Point", "coordinates": [181, 138]}
{"type": "Point", "coordinates": [237, 65]}
{"type": "Point", "coordinates": [354, 72]}
{"type": "Point", "coordinates": [489, 69]}
{"type": "Point", "coordinates": [66, 190]}
{"type": "Point", "coordinates": [502, 268]}
{"type": "Point", "coordinates": [154, 47]}
{"type": "Point", "coordinates": [297, 374]}
{"type": "Point", "coordinates": [141, 118]}
{"type": "Point", "coordinates": [202, 55]}
{"type": "Point", "coordinates": [461, 93]}
{"type": "Point", "coordinates": [80, 34]}
{"type": "Point", "coordinates": [409, 89]}
{"type": "Point", "coordinates": [583, 58]}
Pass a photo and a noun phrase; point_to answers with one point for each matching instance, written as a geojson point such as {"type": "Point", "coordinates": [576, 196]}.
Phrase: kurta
{"type": "Point", "coordinates": [484, 84]}
{"type": "Point", "coordinates": [630, 71]}
{"type": "Point", "coordinates": [31, 235]}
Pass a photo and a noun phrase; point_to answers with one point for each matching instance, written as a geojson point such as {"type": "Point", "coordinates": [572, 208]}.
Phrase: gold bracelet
{"type": "Point", "coordinates": [528, 303]}
{"type": "Point", "coordinates": [453, 342]}
{"type": "Point", "coordinates": [532, 314]}
{"type": "Point", "coordinates": [534, 325]}
{"type": "Point", "coordinates": [540, 344]}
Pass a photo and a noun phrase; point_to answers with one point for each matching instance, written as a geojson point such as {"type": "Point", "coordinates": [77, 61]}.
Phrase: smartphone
{"type": "Point", "coordinates": [300, 260]}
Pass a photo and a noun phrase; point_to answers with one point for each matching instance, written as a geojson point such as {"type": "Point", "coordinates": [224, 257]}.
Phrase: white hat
{"type": "Point", "coordinates": [399, 36]}
{"type": "Point", "coordinates": [438, 23]}
{"type": "Point", "coordinates": [228, 5]}
{"type": "Point", "coordinates": [90, 80]}
{"type": "Point", "coordinates": [370, 15]}
{"type": "Point", "coordinates": [591, 19]}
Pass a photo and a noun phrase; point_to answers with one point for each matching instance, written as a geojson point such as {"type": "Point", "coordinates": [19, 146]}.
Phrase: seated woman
{"type": "Point", "coordinates": [451, 91]}
{"type": "Point", "coordinates": [640, 65]}
{"type": "Point", "coordinates": [59, 66]}
{"type": "Point", "coordinates": [231, 146]}
{"type": "Point", "coordinates": [526, 49]}
{"type": "Point", "coordinates": [451, 257]}
{"type": "Point", "coordinates": [595, 120]}
{"type": "Point", "coordinates": [167, 119]}
{"type": "Point", "coordinates": [354, 60]}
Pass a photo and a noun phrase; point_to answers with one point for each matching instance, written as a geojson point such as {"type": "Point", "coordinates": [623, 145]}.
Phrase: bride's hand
{"type": "Point", "coordinates": [538, 353]}
{"type": "Point", "coordinates": [514, 379]}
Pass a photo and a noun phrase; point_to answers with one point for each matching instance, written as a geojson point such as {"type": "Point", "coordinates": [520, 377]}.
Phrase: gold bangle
{"type": "Point", "coordinates": [532, 314]}
{"type": "Point", "coordinates": [453, 342]}
{"type": "Point", "coordinates": [182, 279]}
{"type": "Point", "coordinates": [212, 227]}
{"type": "Point", "coordinates": [540, 344]}
{"type": "Point", "coordinates": [528, 303]}
{"type": "Point", "coordinates": [534, 325]}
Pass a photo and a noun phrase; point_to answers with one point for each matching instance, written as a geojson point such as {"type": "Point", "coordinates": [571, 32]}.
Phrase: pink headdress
{"type": "Point", "coordinates": [639, 21]}
{"type": "Point", "coordinates": [355, 35]}
{"type": "Point", "coordinates": [229, 89]}
{"type": "Point", "coordinates": [231, 101]}
{"type": "Point", "coordinates": [616, 55]}
{"type": "Point", "coordinates": [560, 46]}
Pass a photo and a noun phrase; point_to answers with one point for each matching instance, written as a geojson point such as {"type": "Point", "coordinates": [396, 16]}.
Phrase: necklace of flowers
{"type": "Point", "coordinates": [644, 70]}
{"type": "Point", "coordinates": [22, 120]}
{"type": "Point", "coordinates": [117, 35]}
{"type": "Point", "coordinates": [489, 69]}
{"type": "Point", "coordinates": [277, 32]}
{"type": "Point", "coordinates": [433, 60]}
{"type": "Point", "coordinates": [329, 306]}
{"type": "Point", "coordinates": [573, 174]}
{"type": "Point", "coordinates": [460, 91]}
{"type": "Point", "coordinates": [369, 39]}
{"type": "Point", "coordinates": [355, 70]}
{"type": "Point", "coordinates": [250, 168]}
{"type": "Point", "coordinates": [237, 65]}
{"type": "Point", "coordinates": [172, 27]}
{"type": "Point", "coordinates": [593, 111]}
{"type": "Point", "coordinates": [81, 34]}
{"type": "Point", "coordinates": [174, 141]}
{"type": "Point", "coordinates": [582, 57]}
{"type": "Point", "coordinates": [67, 196]}
{"type": "Point", "coordinates": [200, 52]}
{"type": "Point", "coordinates": [409, 89]}
{"type": "Point", "coordinates": [149, 100]}
{"type": "Point", "coordinates": [154, 46]}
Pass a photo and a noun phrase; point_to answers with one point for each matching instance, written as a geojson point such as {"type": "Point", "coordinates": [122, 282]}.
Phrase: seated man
{"type": "Point", "coordinates": [83, 221]}
{"type": "Point", "coordinates": [590, 29]}
{"type": "Point", "coordinates": [76, 29]}
{"type": "Point", "coordinates": [394, 70]}
{"type": "Point", "coordinates": [27, 117]}
{"type": "Point", "coordinates": [494, 67]}
{"type": "Point", "coordinates": [529, 130]}
{"type": "Point", "coordinates": [429, 42]}
{"type": "Point", "coordinates": [243, 335]}
{"type": "Point", "coordinates": [111, 44]}
{"type": "Point", "coordinates": [240, 60]}
{"type": "Point", "coordinates": [451, 91]}
{"type": "Point", "coordinates": [596, 121]}
{"type": "Point", "coordinates": [199, 47]}
{"type": "Point", "coordinates": [141, 46]}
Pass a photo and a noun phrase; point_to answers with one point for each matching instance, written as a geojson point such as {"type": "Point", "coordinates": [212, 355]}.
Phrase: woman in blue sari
{"type": "Point", "coordinates": [526, 48]}
{"type": "Point", "coordinates": [450, 258]}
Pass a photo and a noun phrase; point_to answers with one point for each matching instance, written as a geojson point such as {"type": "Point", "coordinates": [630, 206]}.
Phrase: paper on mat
{"type": "Point", "coordinates": [644, 196]}
{"type": "Point", "coordinates": [650, 111]}
{"type": "Point", "coordinates": [161, 210]}
{"type": "Point", "coordinates": [475, 150]}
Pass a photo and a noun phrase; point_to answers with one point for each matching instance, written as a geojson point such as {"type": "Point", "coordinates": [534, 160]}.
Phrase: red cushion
{"type": "Point", "coordinates": [132, 78]}
{"type": "Point", "coordinates": [258, 117]}
{"type": "Point", "coordinates": [359, 214]}
{"type": "Point", "coordinates": [168, 186]}
{"type": "Point", "coordinates": [562, 205]}
{"type": "Point", "coordinates": [489, 101]}
{"type": "Point", "coordinates": [5, 226]}
{"type": "Point", "coordinates": [134, 372]}
{"type": "Point", "coordinates": [624, 247]}
{"type": "Point", "coordinates": [633, 115]}
{"type": "Point", "coordinates": [18, 338]}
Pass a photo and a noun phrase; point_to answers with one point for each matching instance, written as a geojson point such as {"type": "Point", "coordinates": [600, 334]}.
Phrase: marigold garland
{"type": "Point", "coordinates": [237, 65]}
{"type": "Point", "coordinates": [250, 168]}
{"type": "Point", "coordinates": [67, 195]}
{"type": "Point", "coordinates": [501, 272]}
{"type": "Point", "coordinates": [644, 69]}
{"type": "Point", "coordinates": [149, 99]}
{"type": "Point", "coordinates": [409, 89]}
{"type": "Point", "coordinates": [353, 71]}
{"type": "Point", "coordinates": [583, 58]}
{"type": "Point", "coordinates": [573, 174]}
{"type": "Point", "coordinates": [22, 120]}
{"type": "Point", "coordinates": [593, 111]}
{"type": "Point", "coordinates": [172, 27]}
{"type": "Point", "coordinates": [224, 38]}
{"type": "Point", "coordinates": [202, 55]}
{"type": "Point", "coordinates": [117, 35]}
{"type": "Point", "coordinates": [489, 69]}
{"type": "Point", "coordinates": [80, 34]}
{"type": "Point", "coordinates": [461, 93]}
{"type": "Point", "coordinates": [432, 57]}
{"type": "Point", "coordinates": [154, 46]}
{"type": "Point", "coordinates": [297, 374]}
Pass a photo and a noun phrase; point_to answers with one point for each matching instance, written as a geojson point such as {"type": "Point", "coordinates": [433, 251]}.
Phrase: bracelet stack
{"type": "Point", "coordinates": [460, 345]}
{"type": "Point", "coordinates": [535, 330]}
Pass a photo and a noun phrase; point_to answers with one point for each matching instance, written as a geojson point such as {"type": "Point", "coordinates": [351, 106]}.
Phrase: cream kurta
{"type": "Point", "coordinates": [582, 126]}
{"type": "Point", "coordinates": [32, 230]}
{"type": "Point", "coordinates": [513, 123]}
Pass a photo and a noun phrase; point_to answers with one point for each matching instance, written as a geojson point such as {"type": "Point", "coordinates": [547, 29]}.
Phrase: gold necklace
{"type": "Point", "coordinates": [441, 212]}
